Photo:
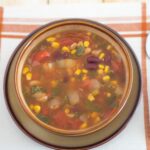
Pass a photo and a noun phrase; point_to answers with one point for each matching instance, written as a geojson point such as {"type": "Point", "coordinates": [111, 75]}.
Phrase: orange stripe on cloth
{"type": "Point", "coordinates": [19, 28]}
{"type": "Point", "coordinates": [144, 78]}
{"type": "Point", "coordinates": [1, 20]}
{"type": "Point", "coordinates": [29, 28]}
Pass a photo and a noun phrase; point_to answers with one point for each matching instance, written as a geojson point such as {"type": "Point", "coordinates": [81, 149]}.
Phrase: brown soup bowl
{"type": "Point", "coordinates": [132, 83]}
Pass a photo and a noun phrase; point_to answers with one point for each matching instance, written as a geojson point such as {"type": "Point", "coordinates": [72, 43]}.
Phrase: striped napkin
{"type": "Point", "coordinates": [130, 20]}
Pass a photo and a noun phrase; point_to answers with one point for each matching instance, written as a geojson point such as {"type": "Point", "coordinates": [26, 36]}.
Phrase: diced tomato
{"type": "Point", "coordinates": [117, 66]}
{"type": "Point", "coordinates": [86, 84]}
{"type": "Point", "coordinates": [65, 41]}
{"type": "Point", "coordinates": [35, 76]}
{"type": "Point", "coordinates": [40, 55]}
{"type": "Point", "coordinates": [74, 123]}
{"type": "Point", "coordinates": [101, 97]}
{"type": "Point", "coordinates": [45, 110]}
{"type": "Point", "coordinates": [109, 113]}
{"type": "Point", "coordinates": [62, 121]}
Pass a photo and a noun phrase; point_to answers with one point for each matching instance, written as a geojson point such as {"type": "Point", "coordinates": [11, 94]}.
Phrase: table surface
{"type": "Point", "coordinates": [50, 2]}
{"type": "Point", "coordinates": [134, 136]}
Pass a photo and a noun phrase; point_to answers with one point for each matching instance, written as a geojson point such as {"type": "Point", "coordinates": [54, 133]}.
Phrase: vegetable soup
{"type": "Point", "coordinates": [73, 80]}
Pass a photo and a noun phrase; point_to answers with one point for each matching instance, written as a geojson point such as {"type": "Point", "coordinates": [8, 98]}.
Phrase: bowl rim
{"type": "Point", "coordinates": [60, 23]}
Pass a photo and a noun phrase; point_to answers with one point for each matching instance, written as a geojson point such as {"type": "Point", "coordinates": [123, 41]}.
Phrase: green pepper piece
{"type": "Point", "coordinates": [56, 91]}
{"type": "Point", "coordinates": [111, 101]}
{"type": "Point", "coordinates": [65, 100]}
{"type": "Point", "coordinates": [92, 74]}
{"type": "Point", "coordinates": [43, 118]}
{"type": "Point", "coordinates": [91, 106]}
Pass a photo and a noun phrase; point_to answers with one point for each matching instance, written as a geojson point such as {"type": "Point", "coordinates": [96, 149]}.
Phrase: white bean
{"type": "Point", "coordinates": [40, 96]}
{"type": "Point", "coordinates": [55, 103]}
{"type": "Point", "coordinates": [73, 97]}
{"type": "Point", "coordinates": [66, 63]}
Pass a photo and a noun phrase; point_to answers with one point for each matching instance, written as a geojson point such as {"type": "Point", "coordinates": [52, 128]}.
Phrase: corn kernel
{"type": "Point", "coordinates": [37, 109]}
{"type": "Point", "coordinates": [54, 83]}
{"type": "Point", "coordinates": [95, 92]}
{"type": "Point", "coordinates": [78, 72]}
{"type": "Point", "coordinates": [83, 125]}
{"type": "Point", "coordinates": [88, 33]}
{"type": "Point", "coordinates": [108, 94]}
{"type": "Point", "coordinates": [106, 70]}
{"type": "Point", "coordinates": [101, 66]}
{"type": "Point", "coordinates": [94, 114]}
{"type": "Point", "coordinates": [55, 44]}
{"type": "Point", "coordinates": [29, 76]}
{"type": "Point", "coordinates": [100, 71]}
{"type": "Point", "coordinates": [114, 82]}
{"type": "Point", "coordinates": [101, 56]}
{"type": "Point", "coordinates": [72, 79]}
{"type": "Point", "coordinates": [73, 51]}
{"type": "Point", "coordinates": [109, 47]}
{"type": "Point", "coordinates": [91, 97]}
{"type": "Point", "coordinates": [31, 106]}
{"type": "Point", "coordinates": [67, 110]}
{"type": "Point", "coordinates": [86, 43]}
{"type": "Point", "coordinates": [113, 52]}
{"type": "Point", "coordinates": [97, 119]}
{"type": "Point", "coordinates": [84, 77]}
{"type": "Point", "coordinates": [80, 43]}
{"type": "Point", "coordinates": [51, 39]}
{"type": "Point", "coordinates": [106, 78]}
{"type": "Point", "coordinates": [84, 71]}
{"type": "Point", "coordinates": [65, 49]}
{"type": "Point", "coordinates": [25, 70]}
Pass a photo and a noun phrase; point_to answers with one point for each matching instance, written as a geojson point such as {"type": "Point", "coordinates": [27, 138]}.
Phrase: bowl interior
{"type": "Point", "coordinates": [75, 26]}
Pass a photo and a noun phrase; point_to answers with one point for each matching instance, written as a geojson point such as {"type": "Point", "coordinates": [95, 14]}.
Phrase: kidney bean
{"type": "Point", "coordinates": [58, 55]}
{"type": "Point", "coordinates": [93, 59]}
{"type": "Point", "coordinates": [91, 66]}
{"type": "Point", "coordinates": [65, 79]}
{"type": "Point", "coordinates": [65, 55]}
{"type": "Point", "coordinates": [107, 59]}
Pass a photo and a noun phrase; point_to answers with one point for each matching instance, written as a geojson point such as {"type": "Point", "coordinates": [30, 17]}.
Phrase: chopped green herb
{"type": "Point", "coordinates": [35, 89]}
{"type": "Point", "coordinates": [80, 50]}
{"type": "Point", "coordinates": [77, 114]}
